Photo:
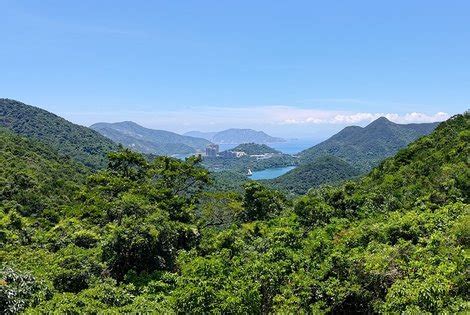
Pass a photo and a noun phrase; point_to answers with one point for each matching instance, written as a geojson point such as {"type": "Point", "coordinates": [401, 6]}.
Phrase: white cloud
{"type": "Point", "coordinates": [257, 117]}
{"type": "Point", "coordinates": [295, 116]}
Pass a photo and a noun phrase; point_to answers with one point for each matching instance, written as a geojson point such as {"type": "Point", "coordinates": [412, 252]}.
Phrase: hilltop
{"type": "Point", "coordinates": [352, 151]}
{"type": "Point", "coordinates": [366, 147]}
{"type": "Point", "coordinates": [255, 149]}
{"type": "Point", "coordinates": [80, 143]}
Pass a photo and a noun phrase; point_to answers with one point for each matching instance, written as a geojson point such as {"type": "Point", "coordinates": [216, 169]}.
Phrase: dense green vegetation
{"type": "Point", "coordinates": [366, 147]}
{"type": "Point", "coordinates": [34, 178]}
{"type": "Point", "coordinates": [128, 220]}
{"type": "Point", "coordinates": [324, 170]}
{"type": "Point", "coordinates": [227, 181]}
{"type": "Point", "coordinates": [255, 149]}
{"type": "Point", "coordinates": [351, 152]}
{"type": "Point", "coordinates": [150, 141]}
{"type": "Point", "coordinates": [149, 236]}
{"type": "Point", "coordinates": [80, 143]}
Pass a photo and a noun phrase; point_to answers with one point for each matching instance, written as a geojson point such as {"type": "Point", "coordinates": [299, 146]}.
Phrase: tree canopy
{"type": "Point", "coordinates": [147, 235]}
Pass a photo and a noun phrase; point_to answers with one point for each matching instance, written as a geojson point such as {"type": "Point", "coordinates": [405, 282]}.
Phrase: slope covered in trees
{"type": "Point", "coordinates": [324, 170]}
{"type": "Point", "coordinates": [33, 177]}
{"type": "Point", "coordinates": [366, 147]}
{"type": "Point", "coordinates": [150, 141]}
{"type": "Point", "coordinates": [78, 142]}
{"type": "Point", "coordinates": [394, 241]}
{"type": "Point", "coordinates": [145, 237]}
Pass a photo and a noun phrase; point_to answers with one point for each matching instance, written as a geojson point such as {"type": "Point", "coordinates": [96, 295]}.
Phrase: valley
{"type": "Point", "coordinates": [154, 233]}
{"type": "Point", "coordinates": [234, 157]}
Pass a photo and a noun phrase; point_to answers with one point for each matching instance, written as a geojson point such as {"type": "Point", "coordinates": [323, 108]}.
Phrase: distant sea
{"type": "Point", "coordinates": [291, 146]}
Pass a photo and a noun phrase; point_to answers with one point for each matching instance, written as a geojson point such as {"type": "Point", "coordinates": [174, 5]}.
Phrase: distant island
{"type": "Point", "coordinates": [235, 136]}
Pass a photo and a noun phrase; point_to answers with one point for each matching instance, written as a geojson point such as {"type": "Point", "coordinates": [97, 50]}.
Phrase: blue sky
{"type": "Point", "coordinates": [292, 68]}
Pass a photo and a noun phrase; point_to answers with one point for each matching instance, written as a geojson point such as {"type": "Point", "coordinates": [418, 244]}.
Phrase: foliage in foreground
{"type": "Point", "coordinates": [145, 236]}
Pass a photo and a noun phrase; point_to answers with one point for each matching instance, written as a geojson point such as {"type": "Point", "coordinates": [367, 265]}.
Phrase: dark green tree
{"type": "Point", "coordinates": [261, 203]}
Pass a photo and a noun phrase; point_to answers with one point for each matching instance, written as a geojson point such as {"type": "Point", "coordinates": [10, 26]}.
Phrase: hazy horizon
{"type": "Point", "coordinates": [316, 130]}
{"type": "Point", "coordinates": [290, 69]}
{"type": "Point", "coordinates": [334, 128]}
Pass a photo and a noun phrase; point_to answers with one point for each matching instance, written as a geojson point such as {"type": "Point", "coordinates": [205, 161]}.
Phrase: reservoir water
{"type": "Point", "coordinates": [271, 173]}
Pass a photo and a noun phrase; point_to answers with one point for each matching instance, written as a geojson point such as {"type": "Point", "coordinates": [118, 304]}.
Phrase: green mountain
{"type": "Point", "coordinates": [366, 147]}
{"type": "Point", "coordinates": [150, 237]}
{"type": "Point", "coordinates": [255, 149]}
{"type": "Point", "coordinates": [235, 136]}
{"type": "Point", "coordinates": [352, 151]}
{"type": "Point", "coordinates": [324, 170]}
{"type": "Point", "coordinates": [150, 141]}
{"type": "Point", "coordinates": [395, 241]}
{"type": "Point", "coordinates": [78, 142]}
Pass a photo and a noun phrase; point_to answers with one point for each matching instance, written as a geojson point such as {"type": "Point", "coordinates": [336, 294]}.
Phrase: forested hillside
{"type": "Point", "coordinates": [149, 236]}
{"type": "Point", "coordinates": [150, 141]}
{"type": "Point", "coordinates": [366, 147]}
{"type": "Point", "coordinates": [349, 153]}
{"type": "Point", "coordinates": [35, 179]}
{"type": "Point", "coordinates": [324, 170]}
{"type": "Point", "coordinates": [77, 142]}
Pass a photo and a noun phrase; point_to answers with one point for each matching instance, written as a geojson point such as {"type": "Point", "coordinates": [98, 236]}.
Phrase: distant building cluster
{"type": "Point", "coordinates": [264, 156]}
{"type": "Point", "coordinates": [212, 150]}
{"type": "Point", "coordinates": [232, 154]}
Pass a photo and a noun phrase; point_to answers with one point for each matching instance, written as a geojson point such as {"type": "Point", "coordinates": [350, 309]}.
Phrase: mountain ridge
{"type": "Point", "coordinates": [80, 143]}
{"type": "Point", "coordinates": [150, 141]}
{"type": "Point", "coordinates": [365, 147]}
